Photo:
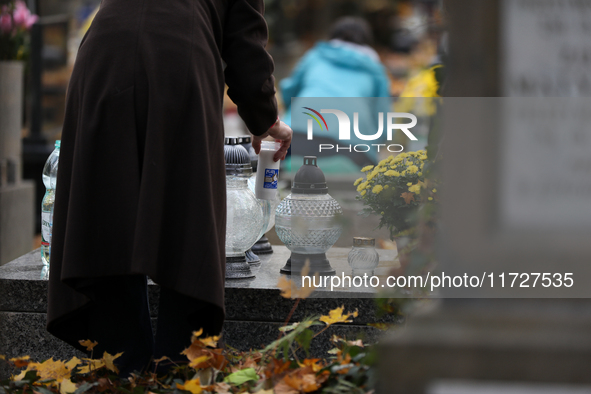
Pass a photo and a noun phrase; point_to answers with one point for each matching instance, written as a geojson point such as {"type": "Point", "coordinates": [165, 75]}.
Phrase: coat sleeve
{"type": "Point", "coordinates": [249, 68]}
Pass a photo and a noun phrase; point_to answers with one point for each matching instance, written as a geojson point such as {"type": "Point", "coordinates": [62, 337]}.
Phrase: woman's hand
{"type": "Point", "coordinates": [282, 133]}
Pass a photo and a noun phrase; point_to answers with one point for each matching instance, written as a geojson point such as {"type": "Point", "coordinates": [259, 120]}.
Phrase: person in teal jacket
{"type": "Point", "coordinates": [343, 66]}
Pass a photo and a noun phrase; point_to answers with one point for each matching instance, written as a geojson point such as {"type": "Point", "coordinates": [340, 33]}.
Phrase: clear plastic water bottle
{"type": "Point", "coordinates": [50, 181]}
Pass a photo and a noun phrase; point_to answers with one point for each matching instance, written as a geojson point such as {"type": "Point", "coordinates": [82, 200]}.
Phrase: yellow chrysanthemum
{"type": "Point", "coordinates": [403, 173]}
{"type": "Point", "coordinates": [384, 162]}
{"type": "Point", "coordinates": [434, 190]}
{"type": "Point", "coordinates": [363, 192]}
{"type": "Point", "coordinates": [430, 198]}
{"type": "Point", "coordinates": [413, 169]}
{"type": "Point", "coordinates": [420, 174]}
{"type": "Point", "coordinates": [390, 173]}
{"type": "Point", "coordinates": [409, 184]}
{"type": "Point", "coordinates": [415, 188]}
{"type": "Point", "coordinates": [366, 168]}
{"type": "Point", "coordinates": [377, 189]}
{"type": "Point", "coordinates": [386, 186]}
{"type": "Point", "coordinates": [402, 155]}
{"type": "Point", "coordinates": [383, 169]}
{"type": "Point", "coordinates": [423, 157]}
{"type": "Point", "coordinates": [361, 186]}
{"type": "Point", "coordinates": [370, 176]}
{"type": "Point", "coordinates": [357, 182]}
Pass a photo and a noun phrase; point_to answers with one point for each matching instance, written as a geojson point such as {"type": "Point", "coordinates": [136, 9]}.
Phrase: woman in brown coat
{"type": "Point", "coordinates": [141, 184]}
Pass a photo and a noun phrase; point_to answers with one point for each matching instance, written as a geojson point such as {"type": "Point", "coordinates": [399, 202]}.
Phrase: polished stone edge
{"type": "Point", "coordinates": [22, 290]}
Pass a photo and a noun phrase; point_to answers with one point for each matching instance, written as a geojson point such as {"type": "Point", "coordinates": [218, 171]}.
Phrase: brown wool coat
{"type": "Point", "coordinates": [141, 184]}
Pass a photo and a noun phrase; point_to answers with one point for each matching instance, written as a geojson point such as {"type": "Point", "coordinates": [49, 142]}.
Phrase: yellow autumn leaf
{"type": "Point", "coordinates": [290, 290]}
{"type": "Point", "coordinates": [19, 377]}
{"type": "Point", "coordinates": [285, 286]}
{"type": "Point", "coordinates": [315, 364]}
{"type": "Point", "coordinates": [67, 386]}
{"type": "Point", "coordinates": [210, 341]}
{"type": "Point", "coordinates": [196, 361]}
{"type": "Point", "coordinates": [73, 363]}
{"type": "Point", "coordinates": [50, 369]}
{"type": "Point", "coordinates": [336, 316]}
{"type": "Point", "coordinates": [196, 334]}
{"type": "Point", "coordinates": [108, 359]}
{"type": "Point", "coordinates": [191, 385]}
{"type": "Point", "coordinates": [93, 365]}
{"type": "Point", "coordinates": [88, 344]}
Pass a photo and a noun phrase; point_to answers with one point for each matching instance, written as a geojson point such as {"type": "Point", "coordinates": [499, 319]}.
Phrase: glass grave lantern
{"type": "Point", "coordinates": [363, 257]}
{"type": "Point", "coordinates": [244, 217]}
{"type": "Point", "coordinates": [307, 221]}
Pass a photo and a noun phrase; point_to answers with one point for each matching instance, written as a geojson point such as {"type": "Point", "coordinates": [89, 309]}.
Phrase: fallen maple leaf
{"type": "Point", "coordinates": [197, 334]}
{"type": "Point", "coordinates": [93, 365]}
{"type": "Point", "coordinates": [283, 388]}
{"type": "Point", "coordinates": [88, 344]}
{"type": "Point", "coordinates": [276, 368]}
{"type": "Point", "coordinates": [50, 369]}
{"type": "Point", "coordinates": [304, 380]}
{"type": "Point", "coordinates": [214, 357]}
{"type": "Point", "coordinates": [290, 290]}
{"type": "Point", "coordinates": [20, 362]}
{"type": "Point", "coordinates": [73, 363]}
{"type": "Point", "coordinates": [358, 343]}
{"type": "Point", "coordinates": [285, 286]}
{"type": "Point", "coordinates": [336, 316]}
{"type": "Point", "coordinates": [222, 388]}
{"type": "Point", "coordinates": [108, 359]}
{"type": "Point", "coordinates": [67, 386]}
{"type": "Point", "coordinates": [198, 362]}
{"type": "Point", "coordinates": [210, 341]}
{"type": "Point", "coordinates": [314, 363]}
{"type": "Point", "coordinates": [191, 385]}
{"type": "Point", "coordinates": [408, 197]}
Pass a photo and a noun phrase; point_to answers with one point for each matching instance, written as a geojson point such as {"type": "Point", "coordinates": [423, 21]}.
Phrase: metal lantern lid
{"type": "Point", "coordinates": [236, 157]}
{"type": "Point", "coordinates": [362, 241]}
{"type": "Point", "coordinates": [309, 179]}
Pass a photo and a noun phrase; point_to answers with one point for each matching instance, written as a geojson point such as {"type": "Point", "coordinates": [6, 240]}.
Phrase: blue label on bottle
{"type": "Point", "coordinates": [271, 177]}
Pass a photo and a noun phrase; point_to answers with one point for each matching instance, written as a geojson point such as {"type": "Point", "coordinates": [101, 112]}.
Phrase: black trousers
{"type": "Point", "coordinates": [120, 322]}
